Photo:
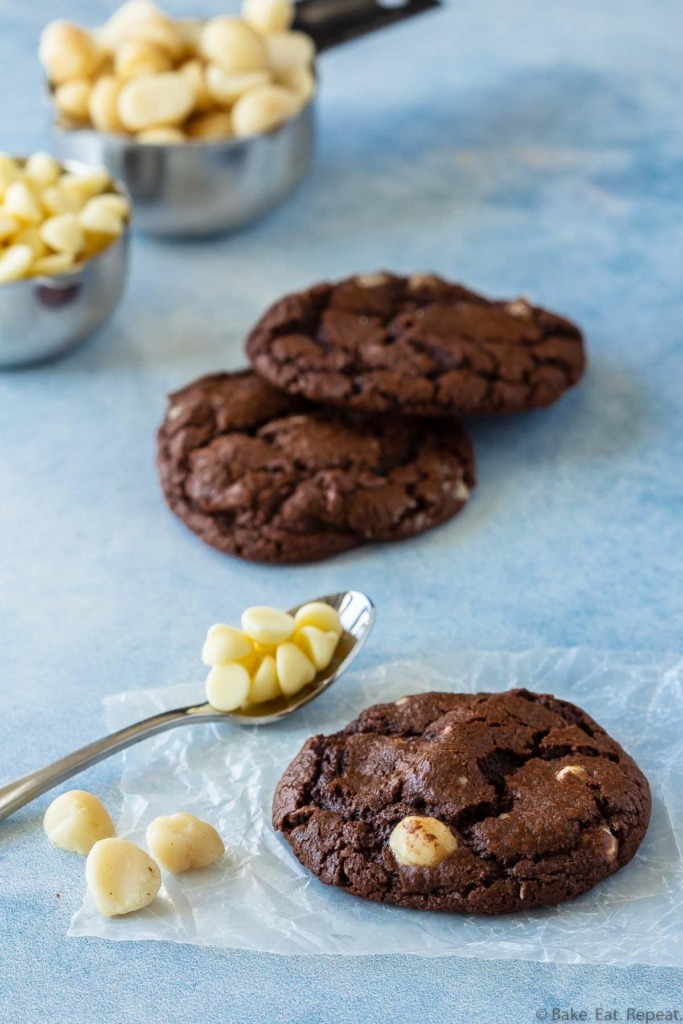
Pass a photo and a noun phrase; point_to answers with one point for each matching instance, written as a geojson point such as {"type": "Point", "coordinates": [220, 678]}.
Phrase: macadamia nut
{"type": "Point", "coordinates": [153, 100]}
{"type": "Point", "coordinates": [181, 842]}
{"type": "Point", "coordinates": [224, 88]}
{"type": "Point", "coordinates": [121, 877]}
{"type": "Point", "coordinates": [268, 15]}
{"type": "Point", "coordinates": [289, 50]}
{"type": "Point", "coordinates": [263, 109]}
{"type": "Point", "coordinates": [233, 45]}
{"type": "Point", "coordinates": [422, 842]}
{"type": "Point", "coordinates": [76, 820]}
{"type": "Point", "coordinates": [68, 51]}
{"type": "Point", "coordinates": [151, 77]}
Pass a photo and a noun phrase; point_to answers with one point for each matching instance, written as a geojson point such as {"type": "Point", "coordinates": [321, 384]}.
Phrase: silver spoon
{"type": "Point", "coordinates": [357, 614]}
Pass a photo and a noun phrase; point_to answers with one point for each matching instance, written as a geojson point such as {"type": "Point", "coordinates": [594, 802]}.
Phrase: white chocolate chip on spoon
{"type": "Point", "coordinates": [294, 670]}
{"type": "Point", "coordinates": [224, 644]}
{"type": "Point", "coordinates": [322, 616]}
{"type": "Point", "coordinates": [317, 645]}
{"type": "Point", "coordinates": [264, 684]}
{"type": "Point", "coordinates": [267, 625]}
{"type": "Point", "coordinates": [227, 686]}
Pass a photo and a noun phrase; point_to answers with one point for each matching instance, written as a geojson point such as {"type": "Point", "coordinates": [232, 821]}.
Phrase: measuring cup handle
{"type": "Point", "coordinates": [333, 22]}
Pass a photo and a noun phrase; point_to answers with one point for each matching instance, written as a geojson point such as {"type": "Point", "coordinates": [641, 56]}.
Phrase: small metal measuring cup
{"type": "Point", "coordinates": [199, 188]}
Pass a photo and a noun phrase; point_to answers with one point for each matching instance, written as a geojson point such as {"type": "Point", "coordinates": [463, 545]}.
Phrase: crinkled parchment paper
{"type": "Point", "coordinates": [259, 898]}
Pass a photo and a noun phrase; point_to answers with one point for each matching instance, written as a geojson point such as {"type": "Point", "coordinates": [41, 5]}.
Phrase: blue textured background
{"type": "Point", "coordinates": [520, 146]}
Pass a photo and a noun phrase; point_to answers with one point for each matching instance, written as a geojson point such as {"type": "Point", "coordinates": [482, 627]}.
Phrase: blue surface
{"type": "Point", "coordinates": [523, 147]}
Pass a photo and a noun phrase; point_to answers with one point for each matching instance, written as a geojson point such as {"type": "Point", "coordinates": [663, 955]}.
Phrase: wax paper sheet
{"type": "Point", "coordinates": [259, 898]}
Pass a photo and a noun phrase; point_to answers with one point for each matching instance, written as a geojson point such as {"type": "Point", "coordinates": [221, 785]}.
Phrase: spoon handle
{"type": "Point", "coordinates": [15, 794]}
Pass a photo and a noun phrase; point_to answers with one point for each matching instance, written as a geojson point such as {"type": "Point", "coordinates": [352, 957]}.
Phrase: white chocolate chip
{"type": "Point", "coordinates": [422, 842]}
{"type": "Point", "coordinates": [63, 233]}
{"type": "Point", "coordinates": [289, 50]}
{"type": "Point", "coordinates": [100, 218]}
{"type": "Point", "coordinates": [402, 700]}
{"type": "Point", "coordinates": [15, 262]}
{"type": "Point", "coordinates": [294, 670]}
{"type": "Point", "coordinates": [76, 820]}
{"type": "Point", "coordinates": [85, 186]}
{"type": "Point", "coordinates": [224, 644]}
{"type": "Point", "coordinates": [10, 171]}
{"type": "Point", "coordinates": [611, 845]}
{"type": "Point", "coordinates": [570, 771]}
{"type": "Point", "coordinates": [267, 625]}
{"type": "Point", "coordinates": [317, 645]}
{"type": "Point", "coordinates": [263, 109]}
{"type": "Point", "coordinates": [174, 412]}
{"type": "Point", "coordinates": [30, 236]}
{"type": "Point", "coordinates": [8, 226]}
{"type": "Point", "coordinates": [268, 15]}
{"type": "Point", "coordinates": [522, 890]}
{"type": "Point", "coordinates": [21, 202]}
{"type": "Point", "coordinates": [420, 281]}
{"type": "Point", "coordinates": [55, 263]}
{"type": "Point", "coordinates": [153, 100]}
{"type": "Point", "coordinates": [233, 45]}
{"type": "Point", "coordinates": [371, 280]}
{"type": "Point", "coordinates": [519, 307]}
{"type": "Point", "coordinates": [319, 614]}
{"type": "Point", "coordinates": [181, 842]}
{"type": "Point", "coordinates": [461, 491]}
{"type": "Point", "coordinates": [463, 780]}
{"type": "Point", "coordinates": [121, 877]}
{"type": "Point", "coordinates": [264, 683]}
{"type": "Point", "coordinates": [42, 170]}
{"type": "Point", "coordinates": [227, 686]}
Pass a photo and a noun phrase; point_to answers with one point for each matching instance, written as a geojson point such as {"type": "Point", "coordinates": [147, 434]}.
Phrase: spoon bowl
{"type": "Point", "coordinates": [356, 614]}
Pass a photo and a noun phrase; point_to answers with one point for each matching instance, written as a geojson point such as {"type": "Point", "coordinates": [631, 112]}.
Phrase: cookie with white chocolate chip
{"type": "Point", "coordinates": [477, 803]}
{"type": "Point", "coordinates": [418, 346]}
{"type": "Point", "coordinates": [271, 478]}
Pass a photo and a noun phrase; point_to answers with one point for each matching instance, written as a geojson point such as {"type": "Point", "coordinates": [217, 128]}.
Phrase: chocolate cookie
{"type": "Point", "coordinates": [271, 478]}
{"type": "Point", "coordinates": [418, 346]}
{"type": "Point", "coordinates": [478, 803]}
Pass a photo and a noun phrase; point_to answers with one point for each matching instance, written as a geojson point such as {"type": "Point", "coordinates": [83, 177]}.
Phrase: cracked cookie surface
{"type": "Point", "coordinates": [417, 346]}
{"type": "Point", "coordinates": [271, 478]}
{"type": "Point", "coordinates": [543, 804]}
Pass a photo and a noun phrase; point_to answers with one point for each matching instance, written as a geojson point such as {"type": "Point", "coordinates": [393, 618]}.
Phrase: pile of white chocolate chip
{"type": "Point", "coordinates": [164, 81]}
{"type": "Point", "coordinates": [121, 876]}
{"type": "Point", "coordinates": [52, 219]}
{"type": "Point", "coordinates": [274, 654]}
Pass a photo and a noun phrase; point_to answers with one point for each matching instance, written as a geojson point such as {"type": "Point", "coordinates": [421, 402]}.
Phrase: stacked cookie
{"type": "Point", "coordinates": [346, 429]}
